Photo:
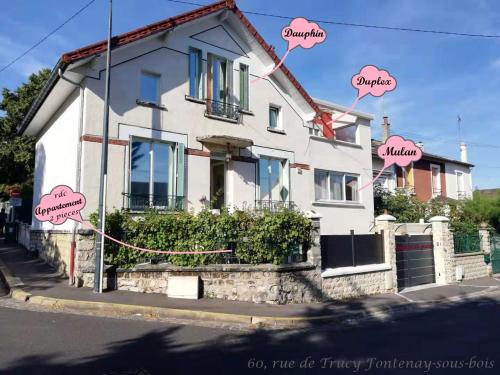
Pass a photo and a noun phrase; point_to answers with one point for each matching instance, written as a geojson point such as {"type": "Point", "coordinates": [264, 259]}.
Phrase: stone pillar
{"type": "Point", "coordinates": [386, 225]}
{"type": "Point", "coordinates": [85, 258]}
{"type": "Point", "coordinates": [485, 245]}
{"type": "Point", "coordinates": [314, 252]}
{"type": "Point", "coordinates": [444, 256]}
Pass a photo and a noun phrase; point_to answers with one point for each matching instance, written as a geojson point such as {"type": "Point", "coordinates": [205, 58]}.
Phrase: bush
{"type": "Point", "coordinates": [270, 237]}
{"type": "Point", "coordinates": [484, 209]}
{"type": "Point", "coordinates": [406, 208]}
{"type": "Point", "coordinates": [465, 216]}
{"type": "Point", "coordinates": [258, 237]}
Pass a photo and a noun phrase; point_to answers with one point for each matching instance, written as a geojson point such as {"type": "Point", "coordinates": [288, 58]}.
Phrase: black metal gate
{"type": "Point", "coordinates": [495, 254]}
{"type": "Point", "coordinates": [414, 260]}
{"type": "Point", "coordinates": [352, 250]}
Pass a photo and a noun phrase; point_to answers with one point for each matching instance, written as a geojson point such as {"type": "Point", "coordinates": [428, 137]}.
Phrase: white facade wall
{"type": "Point", "coordinates": [56, 156]}
{"type": "Point", "coordinates": [452, 188]}
{"type": "Point", "coordinates": [184, 121]}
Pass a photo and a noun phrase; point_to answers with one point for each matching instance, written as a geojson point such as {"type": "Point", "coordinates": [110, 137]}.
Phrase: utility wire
{"type": "Point", "coordinates": [407, 29]}
{"type": "Point", "coordinates": [351, 24]}
{"type": "Point", "coordinates": [447, 140]}
{"type": "Point", "coordinates": [47, 36]}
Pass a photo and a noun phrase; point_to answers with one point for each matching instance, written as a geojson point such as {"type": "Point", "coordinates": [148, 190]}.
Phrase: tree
{"type": "Point", "coordinates": [484, 209]}
{"type": "Point", "coordinates": [465, 216]}
{"type": "Point", "coordinates": [406, 208]}
{"type": "Point", "coordinates": [17, 153]}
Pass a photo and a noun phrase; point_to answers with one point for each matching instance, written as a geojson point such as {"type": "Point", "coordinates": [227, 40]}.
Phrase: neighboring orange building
{"type": "Point", "coordinates": [430, 177]}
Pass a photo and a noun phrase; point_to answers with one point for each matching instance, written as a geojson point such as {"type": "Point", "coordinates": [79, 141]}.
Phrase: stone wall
{"type": "Point", "coordinates": [54, 247]}
{"type": "Point", "coordinates": [85, 258]}
{"type": "Point", "coordinates": [473, 264]}
{"type": "Point", "coordinates": [294, 283]}
{"type": "Point", "coordinates": [356, 285]}
{"type": "Point", "coordinates": [23, 234]}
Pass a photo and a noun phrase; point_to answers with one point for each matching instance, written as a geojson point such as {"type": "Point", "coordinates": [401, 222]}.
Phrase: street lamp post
{"type": "Point", "coordinates": [99, 259]}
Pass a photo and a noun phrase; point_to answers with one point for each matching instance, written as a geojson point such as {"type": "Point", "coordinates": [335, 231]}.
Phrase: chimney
{"type": "Point", "coordinates": [420, 145]}
{"type": "Point", "coordinates": [386, 129]}
{"type": "Point", "coordinates": [463, 152]}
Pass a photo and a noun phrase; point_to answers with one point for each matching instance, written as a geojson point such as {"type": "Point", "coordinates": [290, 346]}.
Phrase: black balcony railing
{"type": "Point", "coordinates": [141, 202]}
{"type": "Point", "coordinates": [222, 109]}
{"type": "Point", "coordinates": [272, 206]}
{"type": "Point", "coordinates": [462, 195]}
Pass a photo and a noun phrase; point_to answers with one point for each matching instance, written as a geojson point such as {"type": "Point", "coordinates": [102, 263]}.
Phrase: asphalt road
{"type": "Point", "coordinates": [461, 339]}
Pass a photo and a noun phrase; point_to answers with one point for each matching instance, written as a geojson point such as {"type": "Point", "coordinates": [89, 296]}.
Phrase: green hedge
{"type": "Point", "coordinates": [262, 237]}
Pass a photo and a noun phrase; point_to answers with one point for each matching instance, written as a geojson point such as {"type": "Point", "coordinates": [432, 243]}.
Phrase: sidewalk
{"type": "Point", "coordinates": [34, 281]}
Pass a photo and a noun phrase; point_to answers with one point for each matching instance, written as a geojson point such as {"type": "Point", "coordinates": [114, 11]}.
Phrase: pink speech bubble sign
{"type": "Point", "coordinates": [303, 33]}
{"type": "Point", "coordinates": [399, 151]}
{"type": "Point", "coordinates": [61, 204]}
{"type": "Point", "coordinates": [300, 32]}
{"type": "Point", "coordinates": [374, 81]}
{"type": "Point", "coordinates": [370, 80]}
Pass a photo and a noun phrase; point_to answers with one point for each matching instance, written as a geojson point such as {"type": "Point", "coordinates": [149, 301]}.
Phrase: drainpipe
{"type": "Point", "coordinates": [78, 173]}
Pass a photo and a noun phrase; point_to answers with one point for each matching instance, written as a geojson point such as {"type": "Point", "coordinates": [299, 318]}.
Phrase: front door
{"type": "Point", "coordinates": [217, 183]}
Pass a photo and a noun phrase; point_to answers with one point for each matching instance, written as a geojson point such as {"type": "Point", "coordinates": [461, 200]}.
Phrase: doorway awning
{"type": "Point", "coordinates": [225, 140]}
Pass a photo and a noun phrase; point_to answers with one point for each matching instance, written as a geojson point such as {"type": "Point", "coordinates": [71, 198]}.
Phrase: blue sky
{"type": "Point", "coordinates": [439, 76]}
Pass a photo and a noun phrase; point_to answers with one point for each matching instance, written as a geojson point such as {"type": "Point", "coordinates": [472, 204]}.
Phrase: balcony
{"type": "Point", "coordinates": [273, 206]}
{"type": "Point", "coordinates": [463, 195]}
{"type": "Point", "coordinates": [222, 111]}
{"type": "Point", "coordinates": [141, 202]}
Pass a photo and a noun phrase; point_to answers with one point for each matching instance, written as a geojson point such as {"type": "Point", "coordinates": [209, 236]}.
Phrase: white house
{"type": "Point", "coordinates": [188, 127]}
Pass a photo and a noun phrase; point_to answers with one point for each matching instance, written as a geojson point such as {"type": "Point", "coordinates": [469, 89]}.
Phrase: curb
{"type": "Point", "coordinates": [15, 284]}
{"type": "Point", "coordinates": [149, 311]}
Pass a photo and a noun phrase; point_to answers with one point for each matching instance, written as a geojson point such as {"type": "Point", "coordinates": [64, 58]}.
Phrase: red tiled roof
{"type": "Point", "coordinates": [144, 32]}
{"type": "Point", "coordinates": [169, 23]}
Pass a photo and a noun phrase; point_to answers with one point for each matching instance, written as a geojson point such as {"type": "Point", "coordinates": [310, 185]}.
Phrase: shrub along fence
{"type": "Point", "coordinates": [256, 238]}
{"type": "Point", "coordinates": [263, 243]}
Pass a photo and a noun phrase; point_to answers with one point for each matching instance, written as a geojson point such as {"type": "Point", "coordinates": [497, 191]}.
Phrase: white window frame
{"type": "Point", "coordinates": [439, 187]}
{"type": "Point", "coordinates": [344, 174]}
{"type": "Point", "coordinates": [284, 178]}
{"type": "Point", "coordinates": [229, 94]}
{"type": "Point", "coordinates": [279, 121]}
{"type": "Point", "coordinates": [201, 88]}
{"type": "Point", "coordinates": [315, 130]}
{"type": "Point", "coordinates": [172, 167]}
{"type": "Point", "coordinates": [462, 175]}
{"type": "Point", "coordinates": [356, 136]}
{"type": "Point", "coordinates": [247, 108]}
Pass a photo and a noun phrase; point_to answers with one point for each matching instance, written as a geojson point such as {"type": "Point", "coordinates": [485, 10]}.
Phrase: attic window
{"type": "Point", "coordinates": [149, 88]}
{"type": "Point", "coordinates": [195, 68]}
